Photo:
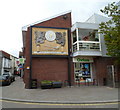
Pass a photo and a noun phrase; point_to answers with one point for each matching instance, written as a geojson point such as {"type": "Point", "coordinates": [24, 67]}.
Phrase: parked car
{"type": "Point", "coordinates": [4, 80]}
{"type": "Point", "coordinates": [8, 74]}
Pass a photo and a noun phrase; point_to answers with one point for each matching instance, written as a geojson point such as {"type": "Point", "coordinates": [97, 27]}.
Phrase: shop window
{"type": "Point", "coordinates": [85, 68]}
{"type": "Point", "coordinates": [82, 71]}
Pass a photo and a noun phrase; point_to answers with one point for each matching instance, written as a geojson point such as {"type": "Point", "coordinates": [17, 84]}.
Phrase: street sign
{"type": "Point", "coordinates": [21, 60]}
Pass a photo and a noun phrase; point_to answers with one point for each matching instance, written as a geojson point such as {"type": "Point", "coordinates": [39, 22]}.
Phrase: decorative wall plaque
{"type": "Point", "coordinates": [49, 41]}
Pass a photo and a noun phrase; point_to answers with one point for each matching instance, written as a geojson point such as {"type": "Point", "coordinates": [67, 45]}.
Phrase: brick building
{"type": "Point", "coordinates": [54, 62]}
{"type": "Point", "coordinates": [55, 51]}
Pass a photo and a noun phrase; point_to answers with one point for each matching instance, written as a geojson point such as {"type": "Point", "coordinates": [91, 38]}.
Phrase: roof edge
{"type": "Point", "coordinates": [24, 28]}
{"type": "Point", "coordinates": [96, 14]}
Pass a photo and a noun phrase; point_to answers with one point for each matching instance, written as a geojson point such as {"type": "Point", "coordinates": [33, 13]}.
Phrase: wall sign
{"type": "Point", "coordinates": [49, 41]}
{"type": "Point", "coordinates": [21, 60]}
{"type": "Point", "coordinates": [83, 59]}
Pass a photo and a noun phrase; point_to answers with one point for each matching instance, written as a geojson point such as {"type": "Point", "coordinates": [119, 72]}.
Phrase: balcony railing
{"type": "Point", "coordinates": [86, 46]}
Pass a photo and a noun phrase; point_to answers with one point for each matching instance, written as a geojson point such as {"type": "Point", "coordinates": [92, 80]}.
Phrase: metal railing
{"type": "Point", "coordinates": [86, 46]}
{"type": "Point", "coordinates": [75, 47]}
{"type": "Point", "coordinates": [79, 83]}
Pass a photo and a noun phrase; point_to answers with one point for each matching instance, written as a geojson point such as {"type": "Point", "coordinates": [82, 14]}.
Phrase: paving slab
{"type": "Point", "coordinates": [75, 94]}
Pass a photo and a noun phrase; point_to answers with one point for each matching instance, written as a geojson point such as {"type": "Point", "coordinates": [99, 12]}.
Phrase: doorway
{"type": "Point", "coordinates": [110, 76]}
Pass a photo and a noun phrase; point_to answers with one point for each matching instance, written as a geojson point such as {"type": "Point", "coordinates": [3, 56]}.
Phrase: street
{"type": "Point", "coordinates": [94, 97]}
{"type": "Point", "coordinates": [18, 104]}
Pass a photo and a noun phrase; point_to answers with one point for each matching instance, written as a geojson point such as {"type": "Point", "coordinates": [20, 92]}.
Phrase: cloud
{"type": "Point", "coordinates": [17, 13]}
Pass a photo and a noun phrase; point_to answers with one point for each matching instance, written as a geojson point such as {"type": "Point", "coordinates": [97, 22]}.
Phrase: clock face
{"type": "Point", "coordinates": [50, 36]}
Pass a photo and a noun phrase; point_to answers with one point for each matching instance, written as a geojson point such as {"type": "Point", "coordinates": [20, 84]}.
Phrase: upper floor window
{"type": "Point", "coordinates": [74, 36]}
{"type": "Point", "coordinates": [88, 35]}
{"type": "Point", "coordinates": [7, 63]}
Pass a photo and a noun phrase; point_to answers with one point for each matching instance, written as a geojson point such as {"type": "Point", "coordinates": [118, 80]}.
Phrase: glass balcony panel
{"type": "Point", "coordinates": [88, 35]}
{"type": "Point", "coordinates": [74, 36]}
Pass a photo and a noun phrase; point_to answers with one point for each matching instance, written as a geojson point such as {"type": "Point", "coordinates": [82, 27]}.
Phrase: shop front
{"type": "Point", "coordinates": [83, 69]}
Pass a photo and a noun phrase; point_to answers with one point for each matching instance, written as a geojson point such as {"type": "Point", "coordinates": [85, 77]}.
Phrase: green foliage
{"type": "Point", "coordinates": [111, 30]}
{"type": "Point", "coordinates": [46, 82]}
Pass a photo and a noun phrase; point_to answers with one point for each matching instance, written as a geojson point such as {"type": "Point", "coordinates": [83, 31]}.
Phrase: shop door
{"type": "Point", "coordinates": [110, 76]}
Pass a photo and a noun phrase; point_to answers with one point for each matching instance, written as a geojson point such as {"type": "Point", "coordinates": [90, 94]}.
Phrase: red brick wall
{"type": "Point", "coordinates": [58, 22]}
{"type": "Point", "coordinates": [101, 68]}
{"type": "Point", "coordinates": [50, 69]}
{"type": "Point", "coordinates": [47, 68]}
{"type": "Point", "coordinates": [26, 53]}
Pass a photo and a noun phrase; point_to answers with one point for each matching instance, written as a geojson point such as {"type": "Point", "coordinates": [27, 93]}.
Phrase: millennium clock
{"type": "Point", "coordinates": [50, 36]}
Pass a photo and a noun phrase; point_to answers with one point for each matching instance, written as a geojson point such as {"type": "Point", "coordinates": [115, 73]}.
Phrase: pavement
{"type": "Point", "coordinates": [72, 95]}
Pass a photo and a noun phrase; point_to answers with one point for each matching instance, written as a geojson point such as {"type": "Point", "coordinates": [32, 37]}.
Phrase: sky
{"type": "Point", "coordinates": [14, 14]}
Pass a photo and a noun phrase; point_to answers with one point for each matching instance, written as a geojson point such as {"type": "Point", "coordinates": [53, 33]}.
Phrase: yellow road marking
{"type": "Point", "coordinates": [35, 103]}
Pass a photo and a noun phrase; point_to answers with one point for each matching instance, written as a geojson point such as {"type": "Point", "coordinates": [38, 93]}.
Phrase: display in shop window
{"type": "Point", "coordinates": [85, 69]}
{"type": "Point", "coordinates": [82, 71]}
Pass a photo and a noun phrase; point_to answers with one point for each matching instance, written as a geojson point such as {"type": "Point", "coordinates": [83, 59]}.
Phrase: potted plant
{"type": "Point", "coordinates": [45, 84]}
{"type": "Point", "coordinates": [56, 84]}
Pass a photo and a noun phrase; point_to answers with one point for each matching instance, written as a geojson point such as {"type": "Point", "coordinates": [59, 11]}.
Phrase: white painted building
{"type": "Point", "coordinates": [96, 18]}
{"type": "Point", "coordinates": [14, 65]}
{"type": "Point", "coordinates": [7, 62]}
{"type": "Point", "coordinates": [89, 50]}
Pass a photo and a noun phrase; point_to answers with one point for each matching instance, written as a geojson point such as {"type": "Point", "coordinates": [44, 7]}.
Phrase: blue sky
{"type": "Point", "coordinates": [17, 13]}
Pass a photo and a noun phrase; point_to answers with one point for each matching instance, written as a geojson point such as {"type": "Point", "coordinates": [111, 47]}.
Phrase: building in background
{"type": "Point", "coordinates": [21, 61]}
{"type": "Point", "coordinates": [14, 65]}
{"type": "Point", "coordinates": [7, 62]}
{"type": "Point", "coordinates": [96, 18]}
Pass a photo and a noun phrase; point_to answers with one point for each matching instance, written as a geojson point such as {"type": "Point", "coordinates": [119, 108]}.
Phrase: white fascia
{"type": "Point", "coordinates": [24, 28]}
{"type": "Point", "coordinates": [84, 25]}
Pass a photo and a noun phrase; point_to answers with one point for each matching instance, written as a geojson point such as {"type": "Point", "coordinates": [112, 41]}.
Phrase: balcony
{"type": "Point", "coordinates": [86, 40]}
{"type": "Point", "coordinates": [86, 48]}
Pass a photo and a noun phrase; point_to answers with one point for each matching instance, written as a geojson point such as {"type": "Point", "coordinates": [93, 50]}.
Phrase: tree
{"type": "Point", "coordinates": [111, 30]}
